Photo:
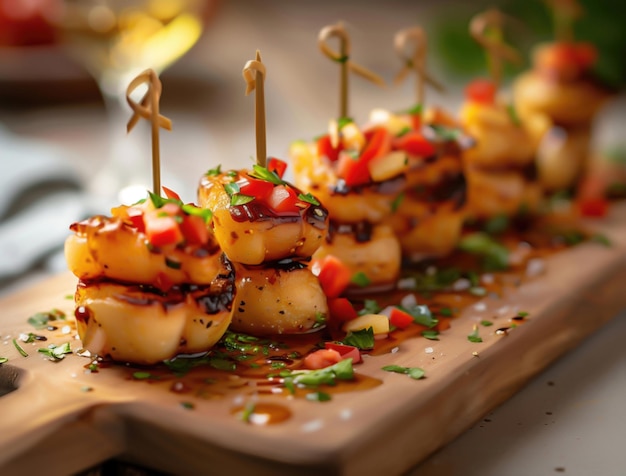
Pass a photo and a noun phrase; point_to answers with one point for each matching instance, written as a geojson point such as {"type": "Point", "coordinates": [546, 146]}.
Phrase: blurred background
{"type": "Point", "coordinates": [63, 117]}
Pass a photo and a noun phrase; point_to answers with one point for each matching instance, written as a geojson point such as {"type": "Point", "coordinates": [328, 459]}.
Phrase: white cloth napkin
{"type": "Point", "coordinates": [40, 196]}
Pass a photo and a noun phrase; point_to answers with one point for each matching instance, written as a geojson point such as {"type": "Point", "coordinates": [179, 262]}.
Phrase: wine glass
{"type": "Point", "coordinates": [115, 40]}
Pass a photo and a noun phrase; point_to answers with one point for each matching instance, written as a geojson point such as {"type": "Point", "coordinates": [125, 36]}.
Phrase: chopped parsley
{"type": "Point", "coordinates": [415, 373]}
{"type": "Point", "coordinates": [214, 171]}
{"type": "Point", "coordinates": [3, 360]}
{"type": "Point", "coordinates": [362, 339]}
{"type": "Point", "coordinates": [318, 397]}
{"type": "Point", "coordinates": [19, 348]}
{"type": "Point", "coordinates": [308, 198]}
{"type": "Point", "coordinates": [360, 279]}
{"type": "Point", "coordinates": [474, 337]}
{"type": "Point", "coordinates": [41, 320]}
{"type": "Point", "coordinates": [263, 173]}
{"type": "Point", "coordinates": [56, 352]}
{"type": "Point", "coordinates": [495, 256]}
{"type": "Point", "coordinates": [342, 370]}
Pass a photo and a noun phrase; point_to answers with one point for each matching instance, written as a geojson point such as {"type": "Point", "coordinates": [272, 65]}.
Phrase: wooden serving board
{"type": "Point", "coordinates": [58, 416]}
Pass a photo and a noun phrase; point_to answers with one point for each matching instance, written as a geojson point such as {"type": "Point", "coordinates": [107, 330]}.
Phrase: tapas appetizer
{"type": "Point", "coordinates": [153, 281]}
{"type": "Point", "coordinates": [357, 176]}
{"type": "Point", "coordinates": [269, 230]}
{"type": "Point", "coordinates": [562, 88]}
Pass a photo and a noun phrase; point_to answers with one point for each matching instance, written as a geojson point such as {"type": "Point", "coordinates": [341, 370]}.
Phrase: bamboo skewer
{"type": "Point", "coordinates": [415, 61]}
{"type": "Point", "coordinates": [564, 13]}
{"type": "Point", "coordinates": [486, 29]}
{"type": "Point", "coordinates": [254, 74]}
{"type": "Point", "coordinates": [148, 108]}
{"type": "Point", "coordinates": [343, 58]}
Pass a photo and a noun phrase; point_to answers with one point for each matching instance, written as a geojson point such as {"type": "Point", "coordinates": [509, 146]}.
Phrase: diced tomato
{"type": "Point", "coordinates": [568, 59]}
{"type": "Point", "coordinates": [169, 193]}
{"type": "Point", "coordinates": [481, 90]}
{"type": "Point", "coordinates": [277, 165]}
{"type": "Point", "coordinates": [326, 149]}
{"type": "Point", "coordinates": [169, 209]}
{"type": "Point", "coordinates": [378, 143]}
{"type": "Point", "coordinates": [283, 199]}
{"type": "Point", "coordinates": [353, 170]}
{"type": "Point", "coordinates": [346, 351]}
{"type": "Point", "coordinates": [162, 230]}
{"type": "Point", "coordinates": [341, 309]}
{"type": "Point", "coordinates": [400, 319]}
{"type": "Point", "coordinates": [414, 143]}
{"type": "Point", "coordinates": [333, 274]}
{"type": "Point", "coordinates": [257, 188]}
{"type": "Point", "coordinates": [194, 229]}
{"type": "Point", "coordinates": [416, 121]}
{"type": "Point", "coordinates": [591, 199]}
{"type": "Point", "coordinates": [135, 216]}
{"type": "Point", "coordinates": [322, 358]}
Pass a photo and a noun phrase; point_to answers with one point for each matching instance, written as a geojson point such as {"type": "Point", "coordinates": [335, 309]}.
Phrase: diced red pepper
{"type": "Point", "coordinates": [169, 193]}
{"type": "Point", "coordinates": [162, 230]}
{"type": "Point", "coordinates": [260, 189]}
{"type": "Point", "coordinates": [277, 165]}
{"type": "Point", "coordinates": [378, 143]}
{"type": "Point", "coordinates": [341, 309]}
{"type": "Point", "coordinates": [414, 143]}
{"type": "Point", "coordinates": [283, 199]}
{"type": "Point", "coordinates": [567, 58]}
{"type": "Point", "coordinates": [481, 90]}
{"type": "Point", "coordinates": [333, 274]}
{"type": "Point", "coordinates": [353, 170]}
{"type": "Point", "coordinates": [135, 216]}
{"type": "Point", "coordinates": [195, 230]}
{"type": "Point", "coordinates": [322, 358]}
{"type": "Point", "coordinates": [591, 199]}
{"type": "Point", "coordinates": [326, 149]}
{"type": "Point", "coordinates": [400, 319]}
{"type": "Point", "coordinates": [346, 351]}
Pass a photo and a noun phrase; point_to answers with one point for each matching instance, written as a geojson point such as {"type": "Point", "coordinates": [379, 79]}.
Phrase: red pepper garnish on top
{"type": "Point", "coordinates": [414, 143]}
{"type": "Point", "coordinates": [481, 91]}
{"type": "Point", "coordinates": [355, 171]}
{"type": "Point", "coordinates": [568, 60]}
{"type": "Point", "coordinates": [277, 165]}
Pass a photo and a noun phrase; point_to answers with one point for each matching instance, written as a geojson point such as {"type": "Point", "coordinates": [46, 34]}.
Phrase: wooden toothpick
{"type": "Point", "coordinates": [487, 29]}
{"type": "Point", "coordinates": [343, 58]}
{"type": "Point", "coordinates": [254, 75]}
{"type": "Point", "coordinates": [148, 109]}
{"type": "Point", "coordinates": [564, 13]}
{"type": "Point", "coordinates": [415, 61]}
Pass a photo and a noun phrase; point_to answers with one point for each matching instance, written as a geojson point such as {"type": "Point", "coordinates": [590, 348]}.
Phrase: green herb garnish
{"type": "Point", "coordinates": [56, 352]}
{"type": "Point", "coordinates": [170, 263]}
{"type": "Point", "coordinates": [3, 360]}
{"type": "Point", "coordinates": [308, 198]}
{"type": "Point", "coordinates": [431, 334]}
{"type": "Point", "coordinates": [474, 337]}
{"type": "Point", "coordinates": [263, 173]}
{"type": "Point", "coordinates": [187, 405]}
{"type": "Point", "coordinates": [370, 306]}
{"type": "Point", "coordinates": [41, 320]}
{"type": "Point", "coordinates": [240, 199]}
{"type": "Point", "coordinates": [360, 279]}
{"type": "Point", "coordinates": [248, 411]}
{"type": "Point", "coordinates": [486, 323]}
{"type": "Point", "coordinates": [343, 121]}
{"type": "Point", "coordinates": [495, 256]}
{"type": "Point", "coordinates": [19, 348]}
{"type": "Point", "coordinates": [362, 339]}
{"type": "Point", "coordinates": [415, 373]}
{"type": "Point", "coordinates": [397, 201]}
{"type": "Point", "coordinates": [602, 239]}
{"type": "Point", "coordinates": [214, 171]}
{"type": "Point", "coordinates": [318, 396]}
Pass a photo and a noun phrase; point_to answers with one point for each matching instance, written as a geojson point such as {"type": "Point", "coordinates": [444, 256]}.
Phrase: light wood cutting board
{"type": "Point", "coordinates": [57, 417]}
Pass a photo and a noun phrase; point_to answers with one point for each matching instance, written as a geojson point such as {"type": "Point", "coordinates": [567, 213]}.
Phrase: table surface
{"type": "Point", "coordinates": [567, 420]}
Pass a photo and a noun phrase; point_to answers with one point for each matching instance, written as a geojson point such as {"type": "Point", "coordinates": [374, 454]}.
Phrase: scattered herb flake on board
{"type": "Point", "coordinates": [247, 412]}
{"type": "Point", "coordinates": [56, 352]}
{"type": "Point", "coordinates": [601, 239]}
{"type": "Point", "coordinates": [495, 256]}
{"type": "Point", "coordinates": [431, 334]}
{"type": "Point", "coordinates": [3, 360]}
{"type": "Point", "coordinates": [40, 320]}
{"type": "Point", "coordinates": [474, 337]}
{"type": "Point", "coordinates": [318, 397]}
{"type": "Point", "coordinates": [19, 348]}
{"type": "Point", "coordinates": [187, 405]}
{"type": "Point", "coordinates": [486, 323]}
{"type": "Point", "coordinates": [362, 339]}
{"type": "Point", "coordinates": [415, 373]}
{"type": "Point", "coordinates": [223, 364]}
{"type": "Point", "coordinates": [141, 375]}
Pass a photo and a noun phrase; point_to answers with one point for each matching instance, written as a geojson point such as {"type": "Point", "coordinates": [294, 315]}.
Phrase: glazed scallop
{"type": "Point", "coordinates": [142, 325]}
{"type": "Point", "coordinates": [369, 202]}
{"type": "Point", "coordinates": [282, 299]}
{"type": "Point", "coordinates": [373, 250]}
{"type": "Point", "coordinates": [108, 247]}
{"type": "Point", "coordinates": [257, 231]}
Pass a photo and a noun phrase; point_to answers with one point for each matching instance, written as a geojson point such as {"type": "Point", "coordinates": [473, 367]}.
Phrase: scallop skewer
{"type": "Point", "coordinates": [350, 171]}
{"type": "Point", "coordinates": [153, 282]}
{"type": "Point", "coordinates": [269, 229]}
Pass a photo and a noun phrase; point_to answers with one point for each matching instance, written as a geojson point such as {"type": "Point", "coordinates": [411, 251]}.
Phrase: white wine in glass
{"type": "Point", "coordinates": [115, 40]}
